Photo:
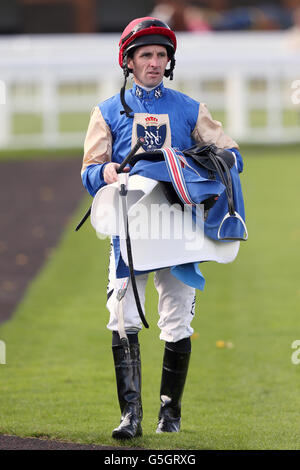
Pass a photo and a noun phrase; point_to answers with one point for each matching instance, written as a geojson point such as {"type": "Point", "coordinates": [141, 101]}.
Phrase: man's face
{"type": "Point", "coordinates": [148, 65]}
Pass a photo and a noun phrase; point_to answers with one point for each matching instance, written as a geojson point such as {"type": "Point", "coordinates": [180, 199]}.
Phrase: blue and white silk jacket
{"type": "Point", "coordinates": [162, 116]}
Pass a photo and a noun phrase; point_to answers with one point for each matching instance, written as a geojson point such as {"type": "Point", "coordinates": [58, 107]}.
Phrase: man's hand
{"type": "Point", "coordinates": [110, 174]}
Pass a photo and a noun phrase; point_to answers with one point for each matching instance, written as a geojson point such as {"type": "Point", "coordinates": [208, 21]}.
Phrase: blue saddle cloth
{"type": "Point", "coordinates": [199, 187]}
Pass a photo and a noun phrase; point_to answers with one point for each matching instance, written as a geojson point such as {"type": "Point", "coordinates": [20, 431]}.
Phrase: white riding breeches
{"type": "Point", "coordinates": [176, 304]}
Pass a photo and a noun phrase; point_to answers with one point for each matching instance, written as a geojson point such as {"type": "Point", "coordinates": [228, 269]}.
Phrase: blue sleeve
{"type": "Point", "coordinates": [239, 159]}
{"type": "Point", "coordinates": [92, 178]}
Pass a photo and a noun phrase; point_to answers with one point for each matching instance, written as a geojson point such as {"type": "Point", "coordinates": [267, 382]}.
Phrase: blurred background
{"type": "Point", "coordinates": [59, 58]}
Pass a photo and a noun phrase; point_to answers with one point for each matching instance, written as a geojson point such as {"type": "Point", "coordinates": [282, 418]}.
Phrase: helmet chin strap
{"type": "Point", "coordinates": [127, 110]}
{"type": "Point", "coordinates": [169, 72]}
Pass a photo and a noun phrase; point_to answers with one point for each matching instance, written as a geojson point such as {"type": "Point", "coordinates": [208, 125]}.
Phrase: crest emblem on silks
{"type": "Point", "coordinates": [153, 133]}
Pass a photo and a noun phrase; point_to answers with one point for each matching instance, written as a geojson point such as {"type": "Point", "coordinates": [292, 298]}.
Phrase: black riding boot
{"type": "Point", "coordinates": [175, 367]}
{"type": "Point", "coordinates": [128, 376]}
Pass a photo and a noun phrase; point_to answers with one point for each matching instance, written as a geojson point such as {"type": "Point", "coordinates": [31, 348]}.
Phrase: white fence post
{"type": "Point", "coordinates": [4, 114]}
{"type": "Point", "coordinates": [49, 109]}
{"type": "Point", "coordinates": [236, 104]}
{"type": "Point", "coordinates": [274, 105]}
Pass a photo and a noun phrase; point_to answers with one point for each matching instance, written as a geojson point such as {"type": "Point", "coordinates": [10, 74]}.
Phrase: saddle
{"type": "Point", "coordinates": [217, 163]}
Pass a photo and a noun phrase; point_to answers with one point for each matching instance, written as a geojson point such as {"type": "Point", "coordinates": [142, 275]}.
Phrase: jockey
{"type": "Point", "coordinates": [164, 118]}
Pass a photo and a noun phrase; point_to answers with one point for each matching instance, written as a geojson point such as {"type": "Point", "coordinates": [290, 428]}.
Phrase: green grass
{"type": "Point", "coordinates": [59, 380]}
{"type": "Point", "coordinates": [73, 122]}
{"type": "Point", "coordinates": [32, 123]}
{"type": "Point", "coordinates": [27, 123]}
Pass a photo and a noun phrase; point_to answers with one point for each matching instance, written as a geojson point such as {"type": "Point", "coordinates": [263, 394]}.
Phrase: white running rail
{"type": "Point", "coordinates": [250, 81]}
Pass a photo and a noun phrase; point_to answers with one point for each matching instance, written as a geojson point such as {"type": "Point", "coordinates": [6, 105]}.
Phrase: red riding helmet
{"type": "Point", "coordinates": [146, 31]}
